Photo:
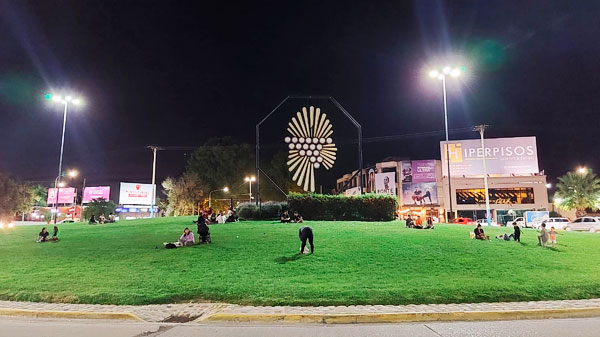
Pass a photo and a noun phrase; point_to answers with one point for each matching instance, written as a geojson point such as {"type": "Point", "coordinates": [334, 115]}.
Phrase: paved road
{"type": "Point", "coordinates": [17, 327]}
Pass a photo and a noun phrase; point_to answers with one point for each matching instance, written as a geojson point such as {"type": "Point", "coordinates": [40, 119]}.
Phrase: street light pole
{"type": "Point", "coordinates": [441, 75]}
{"type": "Point", "coordinates": [481, 130]}
{"type": "Point", "coordinates": [250, 180]}
{"type": "Point", "coordinates": [225, 189]}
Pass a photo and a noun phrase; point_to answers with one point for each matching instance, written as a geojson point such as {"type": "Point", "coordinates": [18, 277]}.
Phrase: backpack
{"type": "Point", "coordinates": [170, 246]}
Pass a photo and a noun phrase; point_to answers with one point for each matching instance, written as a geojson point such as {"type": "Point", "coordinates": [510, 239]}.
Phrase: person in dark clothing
{"type": "Point", "coordinates": [409, 222]}
{"type": "Point", "coordinates": [203, 231]}
{"type": "Point", "coordinates": [285, 217]}
{"type": "Point", "coordinates": [297, 218]}
{"type": "Point", "coordinates": [92, 219]}
{"type": "Point", "coordinates": [479, 234]}
{"type": "Point", "coordinates": [55, 234]}
{"type": "Point", "coordinates": [43, 236]}
{"type": "Point", "coordinates": [429, 223]}
{"type": "Point", "coordinates": [517, 234]}
{"type": "Point", "coordinates": [305, 233]}
{"type": "Point", "coordinates": [233, 217]}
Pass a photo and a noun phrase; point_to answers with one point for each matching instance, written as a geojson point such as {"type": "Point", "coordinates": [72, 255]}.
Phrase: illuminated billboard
{"type": "Point", "coordinates": [93, 193]}
{"type": "Point", "coordinates": [66, 195]}
{"type": "Point", "coordinates": [135, 194]}
{"type": "Point", "coordinates": [504, 156]}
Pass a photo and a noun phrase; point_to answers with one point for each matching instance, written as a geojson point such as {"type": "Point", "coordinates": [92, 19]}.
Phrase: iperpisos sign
{"type": "Point", "coordinates": [504, 156]}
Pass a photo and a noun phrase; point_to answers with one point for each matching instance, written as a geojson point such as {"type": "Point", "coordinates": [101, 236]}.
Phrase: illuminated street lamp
{"type": "Point", "coordinates": [224, 189]}
{"type": "Point", "coordinates": [441, 75]}
{"type": "Point", "coordinates": [582, 170]}
{"type": "Point", "coordinates": [250, 180]}
{"type": "Point", "coordinates": [58, 185]}
{"type": "Point", "coordinates": [548, 185]}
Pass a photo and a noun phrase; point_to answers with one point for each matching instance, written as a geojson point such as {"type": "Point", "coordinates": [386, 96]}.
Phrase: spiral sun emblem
{"type": "Point", "coordinates": [310, 146]}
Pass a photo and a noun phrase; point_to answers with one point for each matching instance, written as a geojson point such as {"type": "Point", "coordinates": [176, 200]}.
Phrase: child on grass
{"type": "Point", "coordinates": [553, 237]}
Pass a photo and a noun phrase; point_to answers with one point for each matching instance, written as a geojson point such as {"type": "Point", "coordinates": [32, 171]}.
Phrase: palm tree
{"type": "Point", "coordinates": [578, 191]}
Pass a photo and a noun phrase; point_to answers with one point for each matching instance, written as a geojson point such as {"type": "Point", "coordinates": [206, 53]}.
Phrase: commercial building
{"type": "Point", "coordinates": [515, 183]}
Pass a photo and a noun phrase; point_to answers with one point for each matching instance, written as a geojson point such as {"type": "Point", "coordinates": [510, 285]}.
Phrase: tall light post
{"type": "Point", "coordinates": [65, 102]}
{"type": "Point", "coordinates": [441, 75]}
{"type": "Point", "coordinates": [481, 130]}
{"type": "Point", "coordinates": [58, 185]}
{"type": "Point", "coordinates": [224, 189]}
{"type": "Point", "coordinates": [250, 180]}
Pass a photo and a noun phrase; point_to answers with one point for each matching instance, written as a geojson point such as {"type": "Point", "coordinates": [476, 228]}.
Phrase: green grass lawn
{"type": "Point", "coordinates": [257, 263]}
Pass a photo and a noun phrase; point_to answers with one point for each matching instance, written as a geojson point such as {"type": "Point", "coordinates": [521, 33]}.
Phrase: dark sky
{"type": "Point", "coordinates": [179, 72]}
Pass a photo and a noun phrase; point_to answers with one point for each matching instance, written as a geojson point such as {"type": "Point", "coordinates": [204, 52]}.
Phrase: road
{"type": "Point", "coordinates": [17, 327]}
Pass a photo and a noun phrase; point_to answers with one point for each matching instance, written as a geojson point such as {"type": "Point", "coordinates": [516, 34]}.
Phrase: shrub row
{"type": "Point", "coordinates": [269, 210]}
{"type": "Point", "coordinates": [365, 207]}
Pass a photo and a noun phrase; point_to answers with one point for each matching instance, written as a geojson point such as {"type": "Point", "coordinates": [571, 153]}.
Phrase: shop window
{"type": "Point", "coordinates": [518, 195]}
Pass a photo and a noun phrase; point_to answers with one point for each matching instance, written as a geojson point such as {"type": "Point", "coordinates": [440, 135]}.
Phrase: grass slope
{"type": "Point", "coordinates": [256, 263]}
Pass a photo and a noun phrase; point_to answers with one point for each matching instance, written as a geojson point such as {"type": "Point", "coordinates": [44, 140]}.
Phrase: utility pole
{"type": "Point", "coordinates": [481, 129]}
{"type": "Point", "coordinates": [154, 149]}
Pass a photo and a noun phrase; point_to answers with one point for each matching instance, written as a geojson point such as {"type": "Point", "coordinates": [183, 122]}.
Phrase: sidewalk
{"type": "Point", "coordinates": [207, 312]}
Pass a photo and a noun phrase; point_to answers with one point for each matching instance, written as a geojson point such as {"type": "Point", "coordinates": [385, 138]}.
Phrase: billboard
{"type": "Point", "coordinates": [385, 183]}
{"type": "Point", "coordinates": [93, 193]}
{"type": "Point", "coordinates": [504, 156]}
{"type": "Point", "coordinates": [419, 194]}
{"type": "Point", "coordinates": [352, 191]}
{"type": "Point", "coordinates": [135, 194]}
{"type": "Point", "coordinates": [66, 195]}
{"type": "Point", "coordinates": [423, 171]}
{"type": "Point", "coordinates": [406, 172]}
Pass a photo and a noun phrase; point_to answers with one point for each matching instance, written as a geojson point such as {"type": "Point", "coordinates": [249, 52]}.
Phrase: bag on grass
{"type": "Point", "coordinates": [170, 246]}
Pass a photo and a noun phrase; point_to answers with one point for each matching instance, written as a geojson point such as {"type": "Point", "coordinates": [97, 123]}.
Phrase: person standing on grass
{"type": "Point", "coordinates": [553, 236]}
{"type": "Point", "coordinates": [306, 233]}
{"type": "Point", "coordinates": [517, 232]}
{"type": "Point", "coordinates": [543, 237]}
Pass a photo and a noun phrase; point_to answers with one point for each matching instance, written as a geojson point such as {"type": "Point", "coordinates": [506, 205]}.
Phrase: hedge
{"type": "Point", "coordinates": [269, 210]}
{"type": "Point", "coordinates": [365, 207]}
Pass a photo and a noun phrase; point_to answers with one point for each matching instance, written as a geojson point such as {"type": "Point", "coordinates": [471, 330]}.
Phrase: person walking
{"type": "Point", "coordinates": [306, 233]}
{"type": "Point", "coordinates": [517, 232]}
{"type": "Point", "coordinates": [543, 237]}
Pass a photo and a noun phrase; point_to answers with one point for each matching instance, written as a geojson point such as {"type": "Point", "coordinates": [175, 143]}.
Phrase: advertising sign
{"type": "Point", "coordinates": [135, 194]}
{"type": "Point", "coordinates": [385, 183]}
{"type": "Point", "coordinates": [352, 191]}
{"type": "Point", "coordinates": [536, 217]}
{"type": "Point", "coordinates": [504, 156]}
{"type": "Point", "coordinates": [93, 193]}
{"type": "Point", "coordinates": [66, 195]}
{"type": "Point", "coordinates": [406, 172]}
{"type": "Point", "coordinates": [423, 171]}
{"type": "Point", "coordinates": [371, 181]}
{"type": "Point", "coordinates": [419, 194]}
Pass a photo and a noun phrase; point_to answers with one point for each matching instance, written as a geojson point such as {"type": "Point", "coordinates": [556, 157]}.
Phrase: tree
{"type": "Point", "coordinates": [183, 194]}
{"type": "Point", "coordinates": [578, 191]}
{"type": "Point", "coordinates": [40, 195]}
{"type": "Point", "coordinates": [98, 207]}
{"type": "Point", "coordinates": [222, 162]}
{"type": "Point", "coordinates": [15, 197]}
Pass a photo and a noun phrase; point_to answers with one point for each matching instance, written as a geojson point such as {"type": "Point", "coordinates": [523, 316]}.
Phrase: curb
{"type": "Point", "coordinates": [71, 314]}
{"type": "Point", "coordinates": [408, 317]}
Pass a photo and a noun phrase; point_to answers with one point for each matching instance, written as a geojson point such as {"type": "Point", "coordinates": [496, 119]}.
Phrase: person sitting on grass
{"type": "Point", "coordinates": [409, 222]}
{"type": "Point", "coordinates": [102, 219]}
{"type": "Point", "coordinates": [479, 233]}
{"type": "Point", "coordinates": [203, 231]}
{"type": "Point", "coordinates": [285, 217]}
{"type": "Point", "coordinates": [297, 218]}
{"type": "Point", "coordinates": [418, 223]}
{"type": "Point", "coordinates": [233, 217]}
{"type": "Point", "coordinates": [429, 223]}
{"type": "Point", "coordinates": [543, 237]}
{"type": "Point", "coordinates": [43, 236]}
{"type": "Point", "coordinates": [111, 218]}
{"type": "Point", "coordinates": [187, 238]}
{"type": "Point", "coordinates": [306, 233]}
{"type": "Point", "coordinates": [55, 234]}
{"type": "Point", "coordinates": [92, 220]}
{"type": "Point", "coordinates": [221, 217]}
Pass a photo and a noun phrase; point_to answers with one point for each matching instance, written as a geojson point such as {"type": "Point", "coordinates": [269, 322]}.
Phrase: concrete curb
{"type": "Point", "coordinates": [71, 314]}
{"type": "Point", "coordinates": [407, 317]}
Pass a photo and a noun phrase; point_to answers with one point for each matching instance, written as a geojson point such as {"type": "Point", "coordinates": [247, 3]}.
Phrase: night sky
{"type": "Point", "coordinates": [176, 73]}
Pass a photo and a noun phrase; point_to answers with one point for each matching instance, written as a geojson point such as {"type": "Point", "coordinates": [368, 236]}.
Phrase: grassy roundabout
{"type": "Point", "coordinates": [256, 263]}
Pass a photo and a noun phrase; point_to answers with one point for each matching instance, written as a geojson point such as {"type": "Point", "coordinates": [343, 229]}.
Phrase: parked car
{"type": "Point", "coordinates": [463, 221]}
{"type": "Point", "coordinates": [557, 223]}
{"type": "Point", "coordinates": [586, 223]}
{"type": "Point", "coordinates": [483, 222]}
{"type": "Point", "coordinates": [66, 221]}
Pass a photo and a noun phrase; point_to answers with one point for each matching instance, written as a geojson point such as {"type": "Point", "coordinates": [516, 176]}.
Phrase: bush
{"type": "Point", "coordinates": [269, 210]}
{"type": "Point", "coordinates": [366, 207]}
{"type": "Point", "coordinates": [98, 207]}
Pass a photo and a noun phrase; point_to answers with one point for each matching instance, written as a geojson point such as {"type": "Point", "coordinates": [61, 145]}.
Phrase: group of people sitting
{"type": "Point", "coordinates": [44, 236]}
{"type": "Point", "coordinates": [417, 223]}
{"type": "Point", "coordinates": [102, 219]}
{"type": "Point", "coordinates": [221, 217]}
{"type": "Point", "coordinates": [296, 218]}
{"type": "Point", "coordinates": [205, 218]}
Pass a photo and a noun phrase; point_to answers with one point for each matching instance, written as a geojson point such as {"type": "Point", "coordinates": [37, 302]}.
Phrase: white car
{"type": "Point", "coordinates": [557, 223]}
{"type": "Point", "coordinates": [483, 222]}
{"type": "Point", "coordinates": [586, 223]}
